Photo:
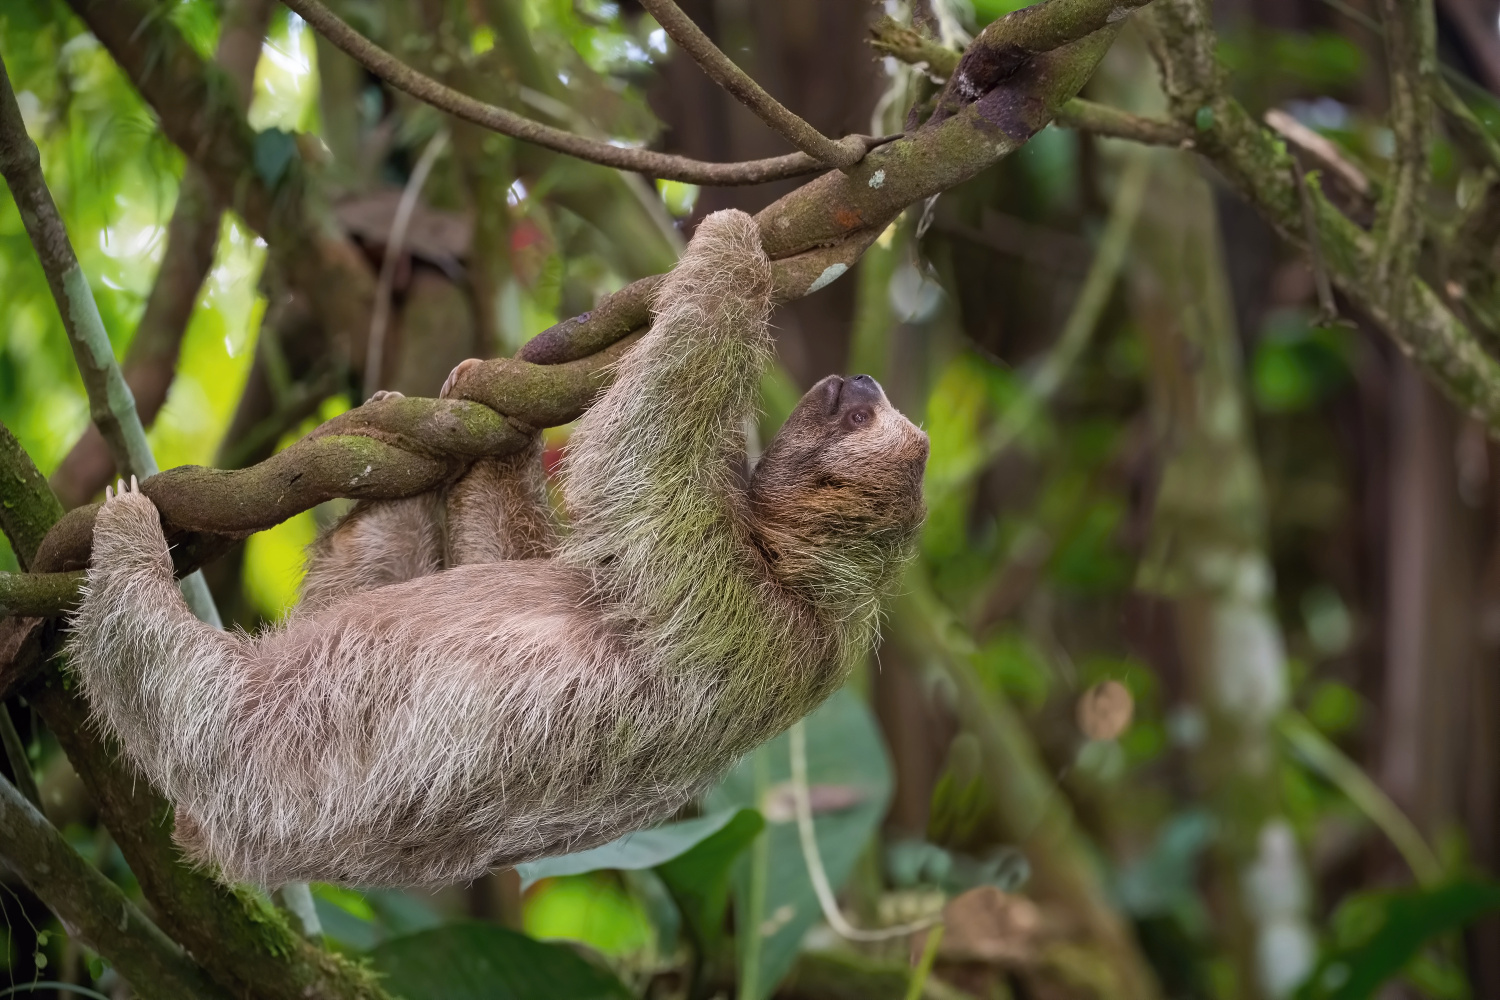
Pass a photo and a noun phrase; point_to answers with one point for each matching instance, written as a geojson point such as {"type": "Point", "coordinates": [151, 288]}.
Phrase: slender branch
{"type": "Point", "coordinates": [93, 909]}
{"type": "Point", "coordinates": [1112, 123]}
{"type": "Point", "coordinates": [192, 235]}
{"type": "Point", "coordinates": [1320, 148]}
{"type": "Point", "coordinates": [642, 161]}
{"type": "Point", "coordinates": [807, 837]}
{"type": "Point", "coordinates": [18, 759]}
{"type": "Point", "coordinates": [1360, 789]}
{"type": "Point", "coordinates": [722, 70]}
{"type": "Point", "coordinates": [381, 317]}
{"type": "Point", "coordinates": [1410, 52]}
{"type": "Point", "coordinates": [111, 403]}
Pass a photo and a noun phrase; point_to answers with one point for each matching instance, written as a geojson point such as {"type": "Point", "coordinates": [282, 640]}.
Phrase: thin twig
{"type": "Point", "coordinates": [93, 908]}
{"type": "Point", "coordinates": [19, 760]}
{"type": "Point", "coordinates": [1319, 147]}
{"type": "Point", "coordinates": [643, 161]}
{"type": "Point", "coordinates": [722, 70]}
{"type": "Point", "coordinates": [1328, 310]}
{"type": "Point", "coordinates": [381, 317]}
{"type": "Point", "coordinates": [808, 837]}
{"type": "Point", "coordinates": [924, 965]}
{"type": "Point", "coordinates": [1368, 796]}
{"type": "Point", "coordinates": [110, 401]}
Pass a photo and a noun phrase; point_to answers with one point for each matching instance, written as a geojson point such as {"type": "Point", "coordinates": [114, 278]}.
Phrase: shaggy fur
{"type": "Point", "coordinates": [413, 726]}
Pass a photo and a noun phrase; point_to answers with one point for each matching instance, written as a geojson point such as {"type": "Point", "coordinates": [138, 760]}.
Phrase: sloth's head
{"type": "Point", "coordinates": [836, 499]}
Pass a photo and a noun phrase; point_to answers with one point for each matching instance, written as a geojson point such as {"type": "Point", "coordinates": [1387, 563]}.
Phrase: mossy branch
{"type": "Point", "coordinates": [93, 908]}
{"type": "Point", "coordinates": [1256, 163]}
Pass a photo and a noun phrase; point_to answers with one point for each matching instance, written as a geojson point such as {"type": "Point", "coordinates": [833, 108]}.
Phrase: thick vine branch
{"type": "Point", "coordinates": [93, 908]}
{"type": "Point", "coordinates": [642, 161]}
{"type": "Point", "coordinates": [721, 69]}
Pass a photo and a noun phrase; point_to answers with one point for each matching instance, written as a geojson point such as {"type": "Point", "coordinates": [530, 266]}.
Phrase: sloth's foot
{"type": "Point", "coordinates": [127, 528]}
{"type": "Point", "coordinates": [456, 374]}
{"type": "Point", "coordinates": [384, 394]}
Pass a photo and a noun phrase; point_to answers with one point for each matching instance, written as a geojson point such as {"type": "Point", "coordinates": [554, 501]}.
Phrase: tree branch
{"type": "Point", "coordinates": [642, 161]}
{"type": "Point", "coordinates": [28, 510]}
{"type": "Point", "coordinates": [1258, 166]}
{"type": "Point", "coordinates": [1400, 224]}
{"type": "Point", "coordinates": [721, 69]}
{"type": "Point", "coordinates": [905, 43]}
{"type": "Point", "coordinates": [93, 909]}
{"type": "Point", "coordinates": [192, 234]}
{"type": "Point", "coordinates": [110, 401]}
{"type": "Point", "coordinates": [39, 595]}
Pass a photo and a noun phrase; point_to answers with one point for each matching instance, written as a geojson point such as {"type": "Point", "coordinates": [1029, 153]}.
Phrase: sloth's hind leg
{"type": "Point", "coordinates": [377, 543]}
{"type": "Point", "coordinates": [499, 509]}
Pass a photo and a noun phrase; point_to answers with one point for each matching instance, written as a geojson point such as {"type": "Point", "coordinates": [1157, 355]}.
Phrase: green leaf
{"type": "Point", "coordinates": [1381, 933]}
{"type": "Point", "coordinates": [844, 748]}
{"type": "Point", "coordinates": [633, 851]}
{"type": "Point", "coordinates": [472, 961]}
{"type": "Point", "coordinates": [699, 878]}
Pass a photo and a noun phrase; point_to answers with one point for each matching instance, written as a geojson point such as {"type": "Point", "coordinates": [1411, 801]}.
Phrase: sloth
{"type": "Point", "coordinates": [464, 686]}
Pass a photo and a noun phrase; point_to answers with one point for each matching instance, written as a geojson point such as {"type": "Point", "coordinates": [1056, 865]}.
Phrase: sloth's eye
{"type": "Point", "coordinates": [859, 417]}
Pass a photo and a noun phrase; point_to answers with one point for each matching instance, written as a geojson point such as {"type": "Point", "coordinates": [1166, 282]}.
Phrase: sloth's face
{"type": "Point", "coordinates": [846, 466]}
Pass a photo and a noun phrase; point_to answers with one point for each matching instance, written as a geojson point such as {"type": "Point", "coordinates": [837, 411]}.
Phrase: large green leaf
{"type": "Point", "coordinates": [699, 879]}
{"type": "Point", "coordinates": [1383, 932]}
{"type": "Point", "coordinates": [633, 851]}
{"type": "Point", "coordinates": [844, 752]}
{"type": "Point", "coordinates": [473, 961]}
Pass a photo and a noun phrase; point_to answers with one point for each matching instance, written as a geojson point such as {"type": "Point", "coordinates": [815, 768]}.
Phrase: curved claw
{"type": "Point", "coordinates": [456, 374]}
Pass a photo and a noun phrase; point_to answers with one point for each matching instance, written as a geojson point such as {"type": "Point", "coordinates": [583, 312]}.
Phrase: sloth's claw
{"type": "Point", "coordinates": [456, 374]}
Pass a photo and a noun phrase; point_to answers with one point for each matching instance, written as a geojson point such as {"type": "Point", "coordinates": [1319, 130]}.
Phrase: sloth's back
{"type": "Point", "coordinates": [427, 731]}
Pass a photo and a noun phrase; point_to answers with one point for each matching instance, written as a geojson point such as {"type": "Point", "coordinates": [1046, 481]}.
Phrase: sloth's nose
{"type": "Point", "coordinates": [860, 389]}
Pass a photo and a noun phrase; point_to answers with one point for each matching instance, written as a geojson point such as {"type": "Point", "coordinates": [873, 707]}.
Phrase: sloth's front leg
{"type": "Point", "coordinates": [378, 542]}
{"type": "Point", "coordinates": [499, 509]}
